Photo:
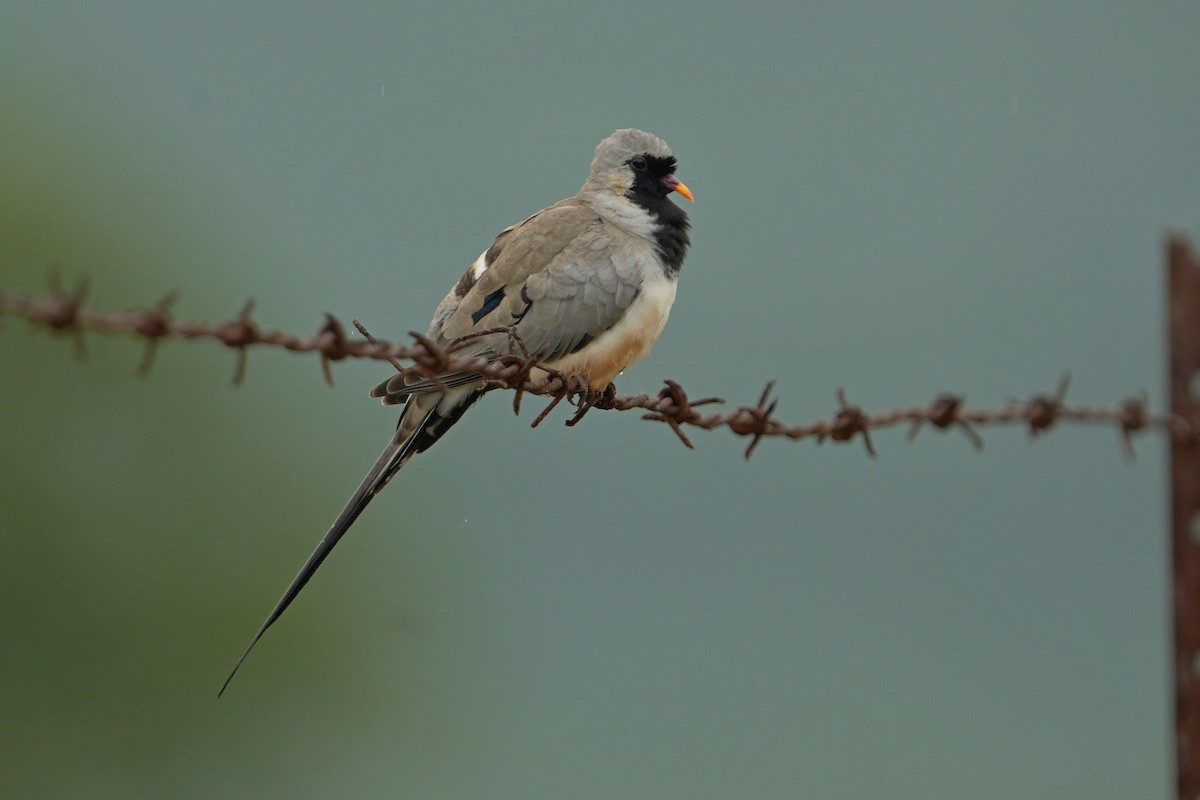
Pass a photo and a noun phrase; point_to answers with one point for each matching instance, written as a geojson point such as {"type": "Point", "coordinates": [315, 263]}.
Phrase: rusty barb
{"type": "Point", "coordinates": [64, 312]}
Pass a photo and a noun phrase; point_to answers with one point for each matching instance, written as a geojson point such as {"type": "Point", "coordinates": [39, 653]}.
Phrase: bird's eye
{"type": "Point", "coordinates": [638, 163]}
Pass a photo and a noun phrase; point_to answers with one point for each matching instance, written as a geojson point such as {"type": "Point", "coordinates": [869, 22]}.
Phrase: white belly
{"type": "Point", "coordinates": [627, 342]}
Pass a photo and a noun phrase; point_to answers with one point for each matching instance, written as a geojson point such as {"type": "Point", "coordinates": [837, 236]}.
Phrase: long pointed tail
{"type": "Point", "coordinates": [409, 435]}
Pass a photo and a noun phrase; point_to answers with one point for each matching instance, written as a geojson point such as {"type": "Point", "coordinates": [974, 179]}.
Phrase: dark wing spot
{"type": "Point", "coordinates": [465, 283]}
{"type": "Point", "coordinates": [493, 252]}
{"type": "Point", "coordinates": [489, 304]}
{"type": "Point", "coordinates": [528, 305]}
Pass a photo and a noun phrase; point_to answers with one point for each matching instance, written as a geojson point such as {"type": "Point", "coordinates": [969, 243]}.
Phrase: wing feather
{"type": "Point", "coordinates": [560, 278]}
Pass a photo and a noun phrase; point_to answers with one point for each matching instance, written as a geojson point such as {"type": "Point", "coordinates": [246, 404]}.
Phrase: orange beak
{"type": "Point", "coordinates": [676, 185]}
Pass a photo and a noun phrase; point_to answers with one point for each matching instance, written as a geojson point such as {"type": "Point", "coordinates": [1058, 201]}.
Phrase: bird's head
{"type": "Point", "coordinates": [637, 165]}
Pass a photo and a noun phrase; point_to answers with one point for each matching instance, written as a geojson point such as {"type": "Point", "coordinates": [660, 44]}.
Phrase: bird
{"type": "Point", "coordinates": [587, 282]}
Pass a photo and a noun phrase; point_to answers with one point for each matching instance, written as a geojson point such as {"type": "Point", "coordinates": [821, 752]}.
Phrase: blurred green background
{"type": "Point", "coordinates": [893, 198]}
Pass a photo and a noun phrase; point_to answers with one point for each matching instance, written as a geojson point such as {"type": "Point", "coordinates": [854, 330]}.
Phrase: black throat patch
{"type": "Point", "coordinates": [671, 222]}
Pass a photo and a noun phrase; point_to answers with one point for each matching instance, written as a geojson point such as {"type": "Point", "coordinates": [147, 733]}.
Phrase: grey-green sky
{"type": "Point", "coordinates": [894, 198]}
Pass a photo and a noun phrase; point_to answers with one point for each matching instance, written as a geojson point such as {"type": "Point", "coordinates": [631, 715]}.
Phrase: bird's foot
{"type": "Point", "coordinates": [589, 397]}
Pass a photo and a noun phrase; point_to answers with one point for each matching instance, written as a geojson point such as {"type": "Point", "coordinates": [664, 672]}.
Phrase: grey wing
{"type": "Point", "coordinates": [578, 298]}
{"type": "Point", "coordinates": [561, 278]}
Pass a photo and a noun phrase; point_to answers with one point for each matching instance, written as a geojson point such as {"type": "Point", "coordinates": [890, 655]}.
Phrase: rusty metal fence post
{"type": "Point", "coordinates": [1183, 315]}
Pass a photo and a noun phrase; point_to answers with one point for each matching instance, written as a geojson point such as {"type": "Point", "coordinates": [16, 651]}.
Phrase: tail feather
{"type": "Point", "coordinates": [425, 419]}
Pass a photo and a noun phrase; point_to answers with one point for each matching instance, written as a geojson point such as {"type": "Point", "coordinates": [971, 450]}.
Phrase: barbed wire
{"type": "Point", "coordinates": [523, 372]}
